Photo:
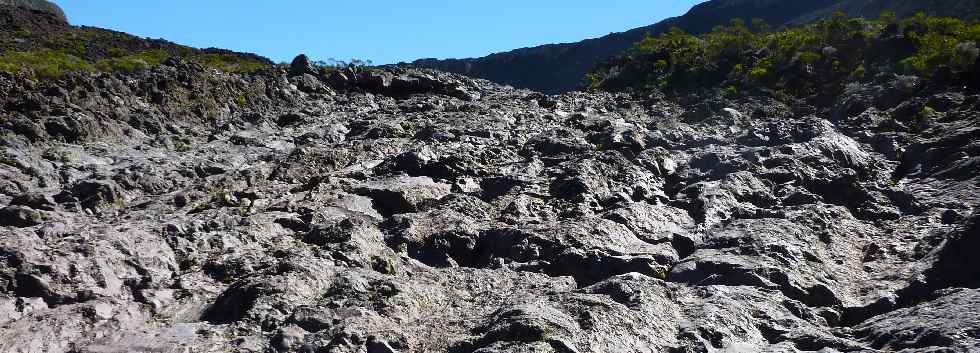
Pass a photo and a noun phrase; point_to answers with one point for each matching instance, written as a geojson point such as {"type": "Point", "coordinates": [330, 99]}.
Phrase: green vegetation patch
{"type": "Point", "coordinates": [43, 63]}
{"type": "Point", "coordinates": [121, 61]}
{"type": "Point", "coordinates": [796, 60]}
{"type": "Point", "coordinates": [227, 62]}
{"type": "Point", "coordinates": [942, 42]}
{"type": "Point", "coordinates": [87, 49]}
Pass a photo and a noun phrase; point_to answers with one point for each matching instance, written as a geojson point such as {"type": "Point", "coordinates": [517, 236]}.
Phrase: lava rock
{"type": "Point", "coordinates": [374, 345]}
{"type": "Point", "coordinates": [97, 194]}
{"type": "Point", "coordinates": [948, 322]}
{"type": "Point", "coordinates": [40, 6]}
{"type": "Point", "coordinates": [35, 200]}
{"type": "Point", "coordinates": [20, 216]}
{"type": "Point", "coordinates": [403, 194]}
{"type": "Point", "coordinates": [301, 65]}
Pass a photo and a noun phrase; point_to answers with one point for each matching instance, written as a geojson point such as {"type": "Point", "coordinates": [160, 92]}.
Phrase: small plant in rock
{"type": "Point", "coordinates": [859, 72]}
{"type": "Point", "coordinates": [928, 113]}
{"type": "Point", "coordinates": [810, 57]}
{"type": "Point", "coordinates": [731, 91]}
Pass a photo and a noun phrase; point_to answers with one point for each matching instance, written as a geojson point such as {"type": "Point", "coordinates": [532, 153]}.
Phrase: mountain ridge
{"type": "Point", "coordinates": [555, 68]}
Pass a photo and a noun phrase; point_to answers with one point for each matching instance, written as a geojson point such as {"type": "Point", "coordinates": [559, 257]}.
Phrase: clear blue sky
{"type": "Point", "coordinates": [383, 31]}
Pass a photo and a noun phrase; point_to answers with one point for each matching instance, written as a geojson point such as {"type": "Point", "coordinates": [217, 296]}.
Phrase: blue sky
{"type": "Point", "coordinates": [382, 31]}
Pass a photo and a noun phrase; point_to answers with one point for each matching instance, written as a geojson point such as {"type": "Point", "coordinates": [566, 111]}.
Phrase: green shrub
{"type": "Point", "coordinates": [888, 17]}
{"type": "Point", "coordinates": [227, 62]}
{"type": "Point", "coordinates": [759, 73]}
{"type": "Point", "coordinates": [69, 43]}
{"type": "Point", "coordinates": [117, 52]}
{"type": "Point", "coordinates": [859, 72]}
{"type": "Point", "coordinates": [682, 49]}
{"type": "Point", "coordinates": [928, 113]}
{"type": "Point", "coordinates": [810, 57]}
{"type": "Point", "coordinates": [762, 69]}
{"type": "Point", "coordinates": [133, 62]}
{"type": "Point", "coordinates": [731, 91]}
{"type": "Point", "coordinates": [593, 80]}
{"type": "Point", "coordinates": [781, 95]}
{"type": "Point", "coordinates": [127, 64]}
{"type": "Point", "coordinates": [941, 42]}
{"type": "Point", "coordinates": [729, 41]}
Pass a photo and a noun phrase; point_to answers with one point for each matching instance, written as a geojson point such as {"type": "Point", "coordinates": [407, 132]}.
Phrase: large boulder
{"type": "Point", "coordinates": [19, 216]}
{"type": "Point", "coordinates": [948, 323]}
{"type": "Point", "coordinates": [403, 194]}
{"type": "Point", "coordinates": [302, 65]}
{"type": "Point", "coordinates": [97, 194]}
{"type": "Point", "coordinates": [38, 5]}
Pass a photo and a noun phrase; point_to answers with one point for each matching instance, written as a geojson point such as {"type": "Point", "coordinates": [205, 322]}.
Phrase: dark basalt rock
{"type": "Point", "coordinates": [19, 216]}
{"type": "Point", "coordinates": [949, 322]}
{"type": "Point", "coordinates": [301, 65]}
{"type": "Point", "coordinates": [97, 194]}
{"type": "Point", "coordinates": [42, 6]}
{"type": "Point", "coordinates": [403, 194]}
{"type": "Point", "coordinates": [35, 200]}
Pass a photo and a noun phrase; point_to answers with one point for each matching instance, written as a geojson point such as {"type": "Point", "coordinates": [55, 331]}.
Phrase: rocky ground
{"type": "Point", "coordinates": [181, 209]}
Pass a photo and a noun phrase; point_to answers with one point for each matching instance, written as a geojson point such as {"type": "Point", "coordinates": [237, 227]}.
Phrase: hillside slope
{"type": "Point", "coordinates": [36, 39]}
{"type": "Point", "coordinates": [964, 9]}
{"type": "Point", "coordinates": [174, 207]}
{"type": "Point", "coordinates": [557, 68]}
